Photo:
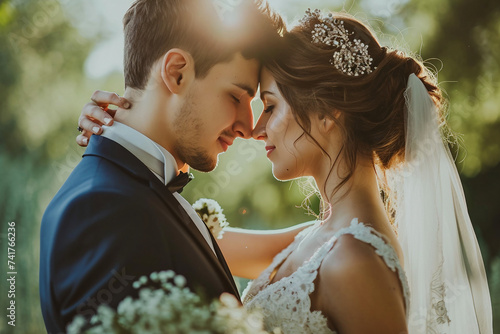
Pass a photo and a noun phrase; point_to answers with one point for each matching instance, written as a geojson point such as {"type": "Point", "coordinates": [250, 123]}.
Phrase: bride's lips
{"type": "Point", "coordinates": [225, 143]}
{"type": "Point", "coordinates": [270, 149]}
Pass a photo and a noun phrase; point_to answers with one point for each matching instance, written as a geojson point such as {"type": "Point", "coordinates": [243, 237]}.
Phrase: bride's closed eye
{"type": "Point", "coordinates": [269, 109]}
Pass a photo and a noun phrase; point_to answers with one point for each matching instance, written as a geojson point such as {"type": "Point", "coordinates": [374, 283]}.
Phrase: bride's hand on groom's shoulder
{"type": "Point", "coordinates": [97, 113]}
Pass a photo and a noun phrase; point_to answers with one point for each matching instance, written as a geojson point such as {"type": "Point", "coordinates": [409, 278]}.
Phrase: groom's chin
{"type": "Point", "coordinates": [206, 166]}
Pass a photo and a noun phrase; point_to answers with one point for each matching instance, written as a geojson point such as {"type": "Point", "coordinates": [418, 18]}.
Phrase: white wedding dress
{"type": "Point", "coordinates": [286, 303]}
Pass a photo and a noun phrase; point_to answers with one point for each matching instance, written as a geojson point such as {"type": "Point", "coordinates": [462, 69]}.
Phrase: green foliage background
{"type": "Point", "coordinates": [43, 86]}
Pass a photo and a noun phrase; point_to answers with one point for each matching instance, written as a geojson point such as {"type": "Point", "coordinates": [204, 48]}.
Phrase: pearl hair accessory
{"type": "Point", "coordinates": [352, 57]}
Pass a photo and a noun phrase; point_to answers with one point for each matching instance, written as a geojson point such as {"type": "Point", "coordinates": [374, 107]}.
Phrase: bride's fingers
{"type": "Point", "coordinates": [97, 114]}
{"type": "Point", "coordinates": [90, 126]}
{"type": "Point", "coordinates": [103, 98]}
{"type": "Point", "coordinates": [83, 139]}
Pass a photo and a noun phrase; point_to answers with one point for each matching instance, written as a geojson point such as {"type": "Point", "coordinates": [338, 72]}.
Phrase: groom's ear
{"type": "Point", "coordinates": [177, 70]}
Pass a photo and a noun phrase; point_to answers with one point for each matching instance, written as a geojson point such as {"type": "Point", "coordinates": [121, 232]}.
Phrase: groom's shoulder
{"type": "Point", "coordinates": [94, 206]}
{"type": "Point", "coordinates": [96, 175]}
{"type": "Point", "coordinates": [100, 191]}
{"type": "Point", "coordinates": [102, 218]}
{"type": "Point", "coordinates": [103, 193]}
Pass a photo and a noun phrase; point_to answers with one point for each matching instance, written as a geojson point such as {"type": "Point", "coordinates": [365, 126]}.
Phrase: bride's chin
{"type": "Point", "coordinates": [281, 175]}
{"type": "Point", "coordinates": [280, 178]}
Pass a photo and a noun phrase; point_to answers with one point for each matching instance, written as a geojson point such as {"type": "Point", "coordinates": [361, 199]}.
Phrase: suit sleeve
{"type": "Point", "coordinates": [105, 242]}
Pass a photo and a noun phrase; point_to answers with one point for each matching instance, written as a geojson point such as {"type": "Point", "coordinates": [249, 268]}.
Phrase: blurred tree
{"type": "Point", "coordinates": [466, 37]}
{"type": "Point", "coordinates": [41, 61]}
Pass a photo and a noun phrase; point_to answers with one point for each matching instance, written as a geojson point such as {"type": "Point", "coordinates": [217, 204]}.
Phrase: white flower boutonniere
{"type": "Point", "coordinates": [211, 213]}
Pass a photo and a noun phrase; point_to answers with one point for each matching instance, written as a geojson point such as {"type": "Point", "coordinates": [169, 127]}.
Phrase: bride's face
{"type": "Point", "coordinates": [291, 151]}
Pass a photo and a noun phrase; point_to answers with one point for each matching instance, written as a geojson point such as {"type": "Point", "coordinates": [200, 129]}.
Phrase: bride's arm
{"type": "Point", "coordinates": [249, 252]}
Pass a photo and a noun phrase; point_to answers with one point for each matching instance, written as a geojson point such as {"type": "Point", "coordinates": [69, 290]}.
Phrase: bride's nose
{"type": "Point", "coordinates": [259, 131]}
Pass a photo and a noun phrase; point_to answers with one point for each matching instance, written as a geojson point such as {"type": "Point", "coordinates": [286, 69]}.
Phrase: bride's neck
{"type": "Point", "coordinates": [359, 197]}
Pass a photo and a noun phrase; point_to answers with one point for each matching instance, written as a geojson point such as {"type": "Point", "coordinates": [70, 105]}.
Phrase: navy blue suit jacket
{"type": "Point", "coordinates": [110, 223]}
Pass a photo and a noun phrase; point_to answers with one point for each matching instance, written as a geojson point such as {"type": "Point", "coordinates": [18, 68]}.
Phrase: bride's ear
{"type": "Point", "coordinates": [327, 124]}
{"type": "Point", "coordinates": [177, 70]}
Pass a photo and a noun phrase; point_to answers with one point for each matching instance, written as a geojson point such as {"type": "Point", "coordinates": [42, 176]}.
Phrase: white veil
{"type": "Point", "coordinates": [448, 287]}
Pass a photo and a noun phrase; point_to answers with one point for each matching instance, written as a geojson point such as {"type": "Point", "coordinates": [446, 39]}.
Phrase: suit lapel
{"type": "Point", "coordinates": [112, 151]}
{"type": "Point", "coordinates": [224, 264]}
{"type": "Point", "coordinates": [217, 261]}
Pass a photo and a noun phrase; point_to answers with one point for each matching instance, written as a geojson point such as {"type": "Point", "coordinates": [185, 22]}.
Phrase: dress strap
{"type": "Point", "coordinates": [370, 236]}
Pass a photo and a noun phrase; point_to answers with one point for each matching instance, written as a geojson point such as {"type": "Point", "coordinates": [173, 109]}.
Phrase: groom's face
{"type": "Point", "coordinates": [216, 110]}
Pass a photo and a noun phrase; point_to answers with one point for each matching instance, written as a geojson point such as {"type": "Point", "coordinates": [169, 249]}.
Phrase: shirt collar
{"type": "Point", "coordinates": [153, 155]}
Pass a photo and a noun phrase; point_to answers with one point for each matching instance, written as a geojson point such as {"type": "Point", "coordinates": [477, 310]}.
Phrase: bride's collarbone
{"type": "Point", "coordinates": [299, 256]}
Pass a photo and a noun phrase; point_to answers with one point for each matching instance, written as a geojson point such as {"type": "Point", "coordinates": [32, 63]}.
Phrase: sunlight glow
{"type": "Point", "coordinates": [107, 56]}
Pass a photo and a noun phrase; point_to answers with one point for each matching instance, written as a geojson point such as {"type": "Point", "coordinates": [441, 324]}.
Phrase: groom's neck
{"type": "Point", "coordinates": [141, 114]}
{"type": "Point", "coordinates": [148, 116]}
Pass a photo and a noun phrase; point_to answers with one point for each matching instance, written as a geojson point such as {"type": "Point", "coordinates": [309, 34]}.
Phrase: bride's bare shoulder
{"type": "Point", "coordinates": [354, 262]}
{"type": "Point", "coordinates": [355, 283]}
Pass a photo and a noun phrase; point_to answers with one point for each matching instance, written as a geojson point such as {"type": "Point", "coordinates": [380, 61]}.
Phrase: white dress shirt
{"type": "Point", "coordinates": [158, 160]}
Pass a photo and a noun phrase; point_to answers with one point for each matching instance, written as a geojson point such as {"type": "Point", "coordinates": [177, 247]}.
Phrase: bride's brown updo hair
{"type": "Point", "coordinates": [372, 106]}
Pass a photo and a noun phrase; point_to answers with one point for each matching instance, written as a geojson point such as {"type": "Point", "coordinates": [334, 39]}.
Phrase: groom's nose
{"type": "Point", "coordinates": [243, 125]}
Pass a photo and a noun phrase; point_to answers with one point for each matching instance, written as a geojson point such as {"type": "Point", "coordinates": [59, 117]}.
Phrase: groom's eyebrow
{"type": "Point", "coordinates": [250, 91]}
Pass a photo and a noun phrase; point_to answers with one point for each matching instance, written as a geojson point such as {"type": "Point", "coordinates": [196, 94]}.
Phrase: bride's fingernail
{"type": "Point", "coordinates": [126, 105]}
{"type": "Point", "coordinates": [95, 129]}
{"type": "Point", "coordinates": [85, 141]}
{"type": "Point", "coordinates": [107, 120]}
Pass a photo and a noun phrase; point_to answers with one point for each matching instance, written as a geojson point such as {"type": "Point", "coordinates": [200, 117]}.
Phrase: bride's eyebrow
{"type": "Point", "coordinates": [262, 94]}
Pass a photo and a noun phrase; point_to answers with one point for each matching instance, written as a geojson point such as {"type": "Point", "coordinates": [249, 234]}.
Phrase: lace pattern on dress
{"type": "Point", "coordinates": [286, 303]}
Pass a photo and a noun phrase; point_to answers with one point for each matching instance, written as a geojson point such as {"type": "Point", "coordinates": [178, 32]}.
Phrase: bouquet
{"type": "Point", "coordinates": [211, 213]}
{"type": "Point", "coordinates": [172, 308]}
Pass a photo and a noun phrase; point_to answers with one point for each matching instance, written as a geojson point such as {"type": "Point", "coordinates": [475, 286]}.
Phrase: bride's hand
{"type": "Point", "coordinates": [97, 113]}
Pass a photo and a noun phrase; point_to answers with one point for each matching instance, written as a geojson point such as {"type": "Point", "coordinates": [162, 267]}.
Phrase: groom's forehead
{"type": "Point", "coordinates": [241, 72]}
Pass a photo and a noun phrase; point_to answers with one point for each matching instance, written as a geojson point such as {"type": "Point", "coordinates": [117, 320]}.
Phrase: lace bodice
{"type": "Point", "coordinates": [286, 303]}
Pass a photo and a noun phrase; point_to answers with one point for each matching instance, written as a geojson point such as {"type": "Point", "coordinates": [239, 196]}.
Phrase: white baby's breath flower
{"type": "Point", "coordinates": [172, 308]}
{"type": "Point", "coordinates": [154, 276]}
{"type": "Point", "coordinates": [180, 281]}
{"type": "Point", "coordinates": [76, 326]}
{"type": "Point", "coordinates": [164, 276]}
{"type": "Point", "coordinates": [106, 316]}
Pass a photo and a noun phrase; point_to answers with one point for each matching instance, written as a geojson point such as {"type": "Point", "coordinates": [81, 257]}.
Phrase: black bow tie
{"type": "Point", "coordinates": [178, 182]}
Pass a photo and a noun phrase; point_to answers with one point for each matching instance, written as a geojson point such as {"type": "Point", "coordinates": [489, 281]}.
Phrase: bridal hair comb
{"type": "Point", "coordinates": [352, 57]}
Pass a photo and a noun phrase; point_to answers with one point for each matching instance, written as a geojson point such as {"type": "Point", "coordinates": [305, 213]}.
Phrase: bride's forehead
{"type": "Point", "coordinates": [266, 81]}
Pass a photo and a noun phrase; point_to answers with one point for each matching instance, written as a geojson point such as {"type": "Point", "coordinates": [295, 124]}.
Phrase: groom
{"type": "Point", "coordinates": [119, 216]}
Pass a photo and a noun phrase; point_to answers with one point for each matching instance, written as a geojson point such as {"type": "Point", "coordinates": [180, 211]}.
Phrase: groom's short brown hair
{"type": "Point", "coordinates": [152, 27]}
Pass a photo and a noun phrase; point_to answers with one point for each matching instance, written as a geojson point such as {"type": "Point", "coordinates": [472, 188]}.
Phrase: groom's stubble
{"type": "Point", "coordinates": [188, 127]}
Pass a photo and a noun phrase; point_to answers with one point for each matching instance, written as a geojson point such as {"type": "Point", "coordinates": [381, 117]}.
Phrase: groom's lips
{"type": "Point", "coordinates": [225, 143]}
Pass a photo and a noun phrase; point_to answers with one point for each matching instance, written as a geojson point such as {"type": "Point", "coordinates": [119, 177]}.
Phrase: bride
{"type": "Point", "coordinates": [362, 120]}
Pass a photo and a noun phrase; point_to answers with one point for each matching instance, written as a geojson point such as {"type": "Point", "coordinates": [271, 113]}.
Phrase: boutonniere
{"type": "Point", "coordinates": [211, 214]}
